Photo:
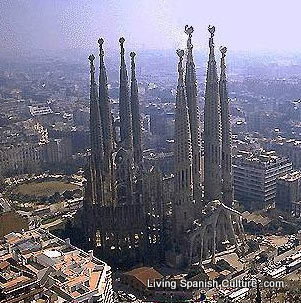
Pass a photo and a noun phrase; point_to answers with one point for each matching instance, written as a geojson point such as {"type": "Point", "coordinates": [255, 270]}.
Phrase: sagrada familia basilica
{"type": "Point", "coordinates": [133, 214]}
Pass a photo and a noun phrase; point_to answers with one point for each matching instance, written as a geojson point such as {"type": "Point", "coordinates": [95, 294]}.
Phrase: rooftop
{"type": "Point", "coordinates": [143, 274]}
{"type": "Point", "coordinates": [14, 275]}
{"type": "Point", "coordinates": [75, 272]}
{"type": "Point", "coordinates": [262, 158]}
{"type": "Point", "coordinates": [291, 176]}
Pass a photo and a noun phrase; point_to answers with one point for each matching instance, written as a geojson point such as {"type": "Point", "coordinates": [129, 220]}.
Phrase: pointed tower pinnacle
{"type": "Point", "coordinates": [227, 176]}
{"type": "Point", "coordinates": [183, 207]}
{"type": "Point", "coordinates": [212, 129]}
{"type": "Point", "coordinates": [194, 116]}
{"type": "Point", "coordinates": [96, 161]}
{"type": "Point", "coordinates": [124, 104]}
{"type": "Point", "coordinates": [136, 122]}
{"type": "Point", "coordinates": [105, 110]}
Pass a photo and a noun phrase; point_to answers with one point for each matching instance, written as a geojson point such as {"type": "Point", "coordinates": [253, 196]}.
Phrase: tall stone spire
{"type": "Point", "coordinates": [124, 104]}
{"type": "Point", "coordinates": [136, 122]}
{"type": "Point", "coordinates": [183, 208]}
{"type": "Point", "coordinates": [96, 161]}
{"type": "Point", "coordinates": [194, 116]}
{"type": "Point", "coordinates": [105, 110]}
{"type": "Point", "coordinates": [212, 129]}
{"type": "Point", "coordinates": [227, 176]}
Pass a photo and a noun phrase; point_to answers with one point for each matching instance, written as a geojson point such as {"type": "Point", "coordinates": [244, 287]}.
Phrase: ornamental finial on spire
{"type": "Point", "coordinates": [132, 55]}
{"type": "Point", "coordinates": [223, 50]}
{"type": "Point", "coordinates": [100, 42]}
{"type": "Point", "coordinates": [180, 53]}
{"type": "Point", "coordinates": [211, 30]}
{"type": "Point", "coordinates": [123, 71]}
{"type": "Point", "coordinates": [92, 67]}
{"type": "Point", "coordinates": [121, 41]}
{"type": "Point", "coordinates": [91, 59]}
{"type": "Point", "coordinates": [189, 31]}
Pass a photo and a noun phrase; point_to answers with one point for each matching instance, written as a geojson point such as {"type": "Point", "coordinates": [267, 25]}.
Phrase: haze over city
{"type": "Point", "coordinates": [149, 24]}
{"type": "Point", "coordinates": [150, 151]}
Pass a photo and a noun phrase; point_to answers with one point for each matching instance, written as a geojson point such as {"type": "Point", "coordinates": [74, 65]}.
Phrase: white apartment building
{"type": "Point", "coordinates": [256, 174]}
{"type": "Point", "coordinates": [66, 273]}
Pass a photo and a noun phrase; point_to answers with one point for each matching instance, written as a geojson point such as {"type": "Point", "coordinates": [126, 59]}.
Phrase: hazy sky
{"type": "Point", "coordinates": [151, 24]}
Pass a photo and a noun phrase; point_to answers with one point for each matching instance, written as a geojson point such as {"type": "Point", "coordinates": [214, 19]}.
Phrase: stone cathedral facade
{"type": "Point", "coordinates": [125, 218]}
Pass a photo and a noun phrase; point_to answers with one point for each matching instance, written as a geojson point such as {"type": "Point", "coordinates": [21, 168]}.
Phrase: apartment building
{"type": "Point", "coordinates": [21, 158]}
{"type": "Point", "coordinates": [289, 191]}
{"type": "Point", "coordinates": [60, 272]}
{"type": "Point", "coordinates": [256, 174]}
